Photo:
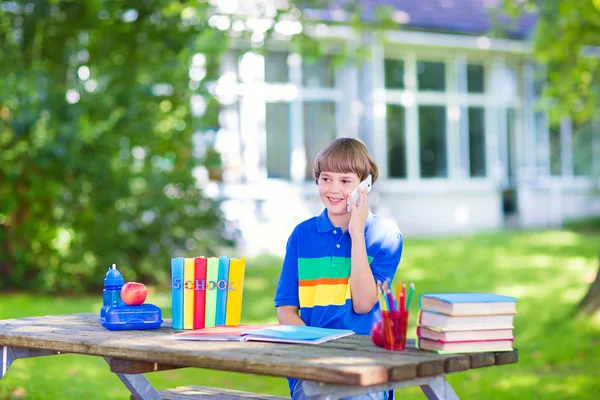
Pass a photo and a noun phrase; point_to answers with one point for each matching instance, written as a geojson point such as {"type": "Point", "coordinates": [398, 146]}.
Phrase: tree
{"type": "Point", "coordinates": [567, 43]}
{"type": "Point", "coordinates": [95, 140]}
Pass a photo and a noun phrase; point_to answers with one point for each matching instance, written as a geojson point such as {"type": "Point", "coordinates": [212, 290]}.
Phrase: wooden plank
{"type": "Point", "coordinates": [208, 393]}
{"type": "Point", "coordinates": [480, 360]}
{"type": "Point", "coordinates": [120, 366]}
{"type": "Point", "coordinates": [506, 357]}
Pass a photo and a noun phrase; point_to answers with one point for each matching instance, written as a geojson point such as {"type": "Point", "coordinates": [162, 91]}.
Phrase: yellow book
{"type": "Point", "coordinates": [237, 268]}
{"type": "Point", "coordinates": [212, 278]}
{"type": "Point", "coordinates": [188, 293]}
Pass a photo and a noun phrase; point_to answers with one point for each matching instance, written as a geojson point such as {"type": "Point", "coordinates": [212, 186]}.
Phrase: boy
{"type": "Point", "coordinates": [333, 261]}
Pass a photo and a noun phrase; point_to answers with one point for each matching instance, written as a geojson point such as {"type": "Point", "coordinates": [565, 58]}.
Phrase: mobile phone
{"type": "Point", "coordinates": [367, 183]}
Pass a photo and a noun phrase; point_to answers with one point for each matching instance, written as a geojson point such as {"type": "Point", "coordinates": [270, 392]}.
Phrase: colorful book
{"type": "Point", "coordinates": [465, 347]}
{"type": "Point", "coordinates": [199, 291]}
{"type": "Point", "coordinates": [212, 276]}
{"type": "Point", "coordinates": [465, 322]}
{"type": "Point", "coordinates": [276, 333]}
{"type": "Point", "coordinates": [188, 293]}
{"type": "Point", "coordinates": [464, 336]}
{"type": "Point", "coordinates": [468, 303]}
{"type": "Point", "coordinates": [177, 282]}
{"type": "Point", "coordinates": [222, 289]}
{"type": "Point", "coordinates": [237, 269]}
{"type": "Point", "coordinates": [221, 333]}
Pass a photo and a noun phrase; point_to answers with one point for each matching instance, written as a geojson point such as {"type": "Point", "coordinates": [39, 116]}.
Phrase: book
{"type": "Point", "coordinates": [465, 322]}
{"type": "Point", "coordinates": [465, 347]}
{"type": "Point", "coordinates": [222, 289]}
{"type": "Point", "coordinates": [188, 293]}
{"type": "Point", "coordinates": [237, 267]}
{"type": "Point", "coordinates": [199, 292]}
{"type": "Point", "coordinates": [177, 291]}
{"type": "Point", "coordinates": [464, 335]}
{"type": "Point", "coordinates": [273, 333]}
{"type": "Point", "coordinates": [468, 303]}
{"type": "Point", "coordinates": [212, 276]}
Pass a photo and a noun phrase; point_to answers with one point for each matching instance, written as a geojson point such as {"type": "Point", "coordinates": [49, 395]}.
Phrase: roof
{"type": "Point", "coordinates": [471, 17]}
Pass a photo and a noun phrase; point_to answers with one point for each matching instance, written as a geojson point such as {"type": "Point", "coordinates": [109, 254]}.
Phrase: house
{"type": "Point", "coordinates": [448, 111]}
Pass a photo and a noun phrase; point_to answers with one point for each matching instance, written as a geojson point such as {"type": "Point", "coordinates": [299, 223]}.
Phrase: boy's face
{"type": "Point", "coordinates": [334, 188]}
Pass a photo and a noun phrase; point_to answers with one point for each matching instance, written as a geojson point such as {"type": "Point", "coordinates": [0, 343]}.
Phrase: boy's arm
{"type": "Point", "coordinates": [362, 281]}
{"type": "Point", "coordinates": [286, 296]}
{"type": "Point", "coordinates": [288, 315]}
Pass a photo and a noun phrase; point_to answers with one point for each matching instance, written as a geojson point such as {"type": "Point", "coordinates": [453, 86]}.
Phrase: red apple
{"type": "Point", "coordinates": [377, 335]}
{"type": "Point", "coordinates": [134, 293]}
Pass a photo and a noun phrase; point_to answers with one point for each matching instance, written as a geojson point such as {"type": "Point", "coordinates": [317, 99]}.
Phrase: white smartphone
{"type": "Point", "coordinates": [367, 183]}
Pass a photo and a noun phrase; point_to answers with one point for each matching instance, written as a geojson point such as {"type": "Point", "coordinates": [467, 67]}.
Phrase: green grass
{"type": "Point", "coordinates": [547, 271]}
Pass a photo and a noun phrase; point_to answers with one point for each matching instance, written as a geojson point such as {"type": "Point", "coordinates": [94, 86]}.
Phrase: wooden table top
{"type": "Point", "coordinates": [353, 360]}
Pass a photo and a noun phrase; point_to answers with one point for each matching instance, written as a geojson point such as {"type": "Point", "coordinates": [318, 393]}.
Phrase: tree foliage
{"type": "Point", "coordinates": [95, 140]}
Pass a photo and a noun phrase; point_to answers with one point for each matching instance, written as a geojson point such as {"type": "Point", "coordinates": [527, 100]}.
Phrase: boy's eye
{"type": "Point", "coordinates": [345, 181]}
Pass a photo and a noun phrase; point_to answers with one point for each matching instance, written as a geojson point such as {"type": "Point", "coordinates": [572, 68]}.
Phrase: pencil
{"type": "Point", "coordinates": [411, 292]}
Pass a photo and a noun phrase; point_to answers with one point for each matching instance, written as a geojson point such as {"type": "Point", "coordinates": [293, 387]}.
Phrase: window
{"type": "Point", "coordinates": [555, 151]}
{"type": "Point", "coordinates": [396, 142]}
{"type": "Point", "coordinates": [276, 67]}
{"type": "Point", "coordinates": [431, 76]}
{"type": "Point", "coordinates": [394, 74]}
{"type": "Point", "coordinates": [583, 148]}
{"type": "Point", "coordinates": [475, 78]}
{"type": "Point", "coordinates": [319, 130]}
{"type": "Point", "coordinates": [477, 156]}
{"type": "Point", "coordinates": [318, 73]}
{"type": "Point", "coordinates": [432, 141]}
{"type": "Point", "coordinates": [278, 140]}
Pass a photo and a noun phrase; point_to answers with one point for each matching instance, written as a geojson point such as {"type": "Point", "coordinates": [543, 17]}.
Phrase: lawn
{"type": "Point", "coordinates": [547, 271]}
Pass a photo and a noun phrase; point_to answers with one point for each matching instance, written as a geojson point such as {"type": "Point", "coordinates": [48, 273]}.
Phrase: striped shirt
{"type": "Point", "coordinates": [316, 271]}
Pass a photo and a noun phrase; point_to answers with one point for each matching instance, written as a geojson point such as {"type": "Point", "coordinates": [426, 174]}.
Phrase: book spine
{"type": "Point", "coordinates": [222, 286]}
{"type": "Point", "coordinates": [212, 276]}
{"type": "Point", "coordinates": [199, 292]}
{"type": "Point", "coordinates": [188, 293]}
{"type": "Point", "coordinates": [237, 269]}
{"type": "Point", "coordinates": [177, 283]}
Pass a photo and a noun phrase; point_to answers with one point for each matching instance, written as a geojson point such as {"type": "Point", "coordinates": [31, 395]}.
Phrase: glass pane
{"type": "Point", "coordinates": [318, 73]}
{"type": "Point", "coordinates": [431, 76]}
{"type": "Point", "coordinates": [396, 140]}
{"type": "Point", "coordinates": [278, 140]}
{"type": "Point", "coordinates": [475, 78]}
{"type": "Point", "coordinates": [476, 142]}
{"type": "Point", "coordinates": [555, 151]}
{"type": "Point", "coordinates": [432, 141]}
{"type": "Point", "coordinates": [319, 130]}
{"type": "Point", "coordinates": [583, 148]}
{"type": "Point", "coordinates": [394, 74]}
{"type": "Point", "coordinates": [276, 67]}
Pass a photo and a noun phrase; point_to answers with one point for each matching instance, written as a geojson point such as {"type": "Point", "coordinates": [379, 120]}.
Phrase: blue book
{"type": "Point", "coordinates": [177, 283]}
{"type": "Point", "coordinates": [468, 303]}
{"type": "Point", "coordinates": [296, 334]}
{"type": "Point", "coordinates": [222, 288]}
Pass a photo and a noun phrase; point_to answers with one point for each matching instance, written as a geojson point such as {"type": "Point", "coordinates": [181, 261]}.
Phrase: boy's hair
{"type": "Point", "coordinates": [346, 155]}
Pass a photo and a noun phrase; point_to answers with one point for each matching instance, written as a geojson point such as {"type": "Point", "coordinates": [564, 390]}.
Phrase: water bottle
{"type": "Point", "coordinates": [113, 282]}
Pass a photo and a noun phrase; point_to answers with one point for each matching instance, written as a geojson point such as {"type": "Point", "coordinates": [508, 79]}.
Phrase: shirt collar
{"type": "Point", "coordinates": [325, 225]}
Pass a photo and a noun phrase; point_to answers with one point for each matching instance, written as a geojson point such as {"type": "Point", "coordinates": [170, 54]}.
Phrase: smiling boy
{"type": "Point", "coordinates": [333, 261]}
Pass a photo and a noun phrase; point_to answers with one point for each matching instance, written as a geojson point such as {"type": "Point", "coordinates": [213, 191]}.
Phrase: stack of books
{"type": "Point", "coordinates": [466, 322]}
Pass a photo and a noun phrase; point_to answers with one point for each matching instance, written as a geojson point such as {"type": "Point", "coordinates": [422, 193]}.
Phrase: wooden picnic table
{"type": "Point", "coordinates": [343, 367]}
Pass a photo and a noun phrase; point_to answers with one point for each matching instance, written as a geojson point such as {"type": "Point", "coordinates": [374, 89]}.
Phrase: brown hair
{"type": "Point", "coordinates": [346, 155]}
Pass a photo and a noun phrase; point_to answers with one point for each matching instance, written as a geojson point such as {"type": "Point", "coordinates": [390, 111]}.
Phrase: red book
{"type": "Point", "coordinates": [199, 291]}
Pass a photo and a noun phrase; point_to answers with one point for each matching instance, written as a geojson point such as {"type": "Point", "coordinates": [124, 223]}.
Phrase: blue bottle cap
{"type": "Point", "coordinates": [113, 277]}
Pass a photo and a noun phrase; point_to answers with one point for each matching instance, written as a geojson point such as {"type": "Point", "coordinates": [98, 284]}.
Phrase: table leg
{"type": "Point", "coordinates": [439, 389]}
{"type": "Point", "coordinates": [9, 354]}
{"type": "Point", "coordinates": [432, 386]}
{"type": "Point", "coordinates": [138, 385]}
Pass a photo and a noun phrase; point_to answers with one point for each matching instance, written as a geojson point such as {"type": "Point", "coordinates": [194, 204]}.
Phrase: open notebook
{"type": "Point", "coordinates": [265, 333]}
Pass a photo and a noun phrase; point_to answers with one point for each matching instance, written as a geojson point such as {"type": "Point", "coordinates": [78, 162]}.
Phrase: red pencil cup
{"type": "Point", "coordinates": [395, 326]}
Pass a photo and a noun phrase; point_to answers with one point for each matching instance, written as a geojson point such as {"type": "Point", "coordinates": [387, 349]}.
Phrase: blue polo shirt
{"type": "Point", "coordinates": [316, 271]}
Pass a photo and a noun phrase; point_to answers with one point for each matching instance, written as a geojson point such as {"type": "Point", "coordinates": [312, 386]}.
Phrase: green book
{"type": "Point", "coordinates": [212, 278]}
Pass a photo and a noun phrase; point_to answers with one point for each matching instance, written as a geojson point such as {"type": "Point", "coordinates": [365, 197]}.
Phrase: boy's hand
{"type": "Point", "coordinates": [358, 214]}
